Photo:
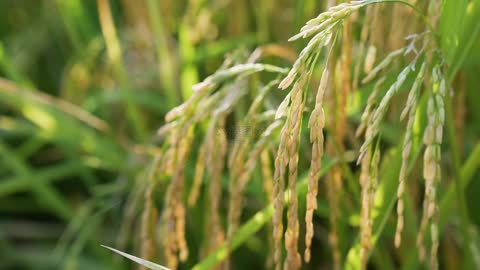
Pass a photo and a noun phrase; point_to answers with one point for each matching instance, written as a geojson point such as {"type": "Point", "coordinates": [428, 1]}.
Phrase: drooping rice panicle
{"type": "Point", "coordinates": [333, 178]}
{"type": "Point", "coordinates": [184, 151]}
{"type": "Point", "coordinates": [334, 14]}
{"type": "Point", "coordinates": [293, 259]}
{"type": "Point", "coordinates": [287, 151]}
{"type": "Point", "coordinates": [316, 124]}
{"type": "Point", "coordinates": [173, 216]}
{"type": "Point", "coordinates": [410, 109]}
{"type": "Point", "coordinates": [321, 28]}
{"type": "Point", "coordinates": [287, 146]}
{"type": "Point", "coordinates": [213, 98]}
{"type": "Point", "coordinates": [432, 140]}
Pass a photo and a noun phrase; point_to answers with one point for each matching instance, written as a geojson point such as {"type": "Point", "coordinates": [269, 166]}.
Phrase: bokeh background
{"type": "Point", "coordinates": [84, 86]}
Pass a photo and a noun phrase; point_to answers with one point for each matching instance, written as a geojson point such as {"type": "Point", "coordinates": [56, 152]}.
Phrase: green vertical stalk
{"type": "Point", "coordinates": [263, 17]}
{"type": "Point", "coordinates": [189, 74]}
{"type": "Point", "coordinates": [462, 203]}
{"type": "Point", "coordinates": [115, 56]}
{"type": "Point", "coordinates": [165, 61]}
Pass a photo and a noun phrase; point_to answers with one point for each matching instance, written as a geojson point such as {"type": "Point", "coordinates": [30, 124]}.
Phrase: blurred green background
{"type": "Point", "coordinates": [84, 86]}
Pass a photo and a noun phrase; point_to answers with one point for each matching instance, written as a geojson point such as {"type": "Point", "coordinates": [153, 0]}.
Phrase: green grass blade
{"type": "Point", "coordinates": [147, 264]}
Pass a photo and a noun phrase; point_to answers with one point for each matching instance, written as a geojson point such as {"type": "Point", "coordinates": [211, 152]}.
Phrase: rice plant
{"type": "Point", "coordinates": [275, 160]}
